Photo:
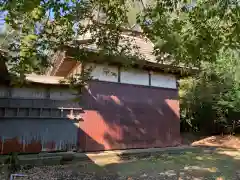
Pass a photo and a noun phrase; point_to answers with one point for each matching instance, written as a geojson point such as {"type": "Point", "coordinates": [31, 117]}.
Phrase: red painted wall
{"type": "Point", "coordinates": [115, 116]}
{"type": "Point", "coordinates": [121, 116]}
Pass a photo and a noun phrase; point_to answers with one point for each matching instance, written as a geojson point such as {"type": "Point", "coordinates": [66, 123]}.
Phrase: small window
{"type": "Point", "coordinates": [2, 112]}
{"type": "Point", "coordinates": [23, 112]}
{"type": "Point", "coordinates": [35, 112]}
{"type": "Point", "coordinates": [56, 113]}
{"type": "Point", "coordinates": [11, 112]}
{"type": "Point", "coordinates": [46, 112]}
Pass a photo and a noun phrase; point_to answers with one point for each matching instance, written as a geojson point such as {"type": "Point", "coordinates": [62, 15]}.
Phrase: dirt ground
{"type": "Point", "coordinates": [225, 141]}
{"type": "Point", "coordinates": [219, 141]}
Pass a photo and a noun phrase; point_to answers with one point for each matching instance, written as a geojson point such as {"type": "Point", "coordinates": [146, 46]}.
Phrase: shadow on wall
{"type": "Point", "coordinates": [126, 116]}
{"type": "Point", "coordinates": [115, 116]}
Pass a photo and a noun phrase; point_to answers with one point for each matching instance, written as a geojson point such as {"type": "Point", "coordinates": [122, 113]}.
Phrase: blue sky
{"type": "Point", "coordinates": [2, 15]}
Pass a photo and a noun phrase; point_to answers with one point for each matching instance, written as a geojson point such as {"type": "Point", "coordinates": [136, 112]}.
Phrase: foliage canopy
{"type": "Point", "coordinates": [192, 33]}
{"type": "Point", "coordinates": [46, 26]}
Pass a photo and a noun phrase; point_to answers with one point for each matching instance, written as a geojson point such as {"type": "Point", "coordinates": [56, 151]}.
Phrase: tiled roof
{"type": "Point", "coordinates": [145, 48]}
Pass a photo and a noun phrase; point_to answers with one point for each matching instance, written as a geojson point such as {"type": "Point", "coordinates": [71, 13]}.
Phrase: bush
{"type": "Point", "coordinates": [210, 101]}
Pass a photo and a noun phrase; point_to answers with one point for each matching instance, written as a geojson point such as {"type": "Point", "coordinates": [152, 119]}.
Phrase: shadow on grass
{"type": "Point", "coordinates": [187, 165]}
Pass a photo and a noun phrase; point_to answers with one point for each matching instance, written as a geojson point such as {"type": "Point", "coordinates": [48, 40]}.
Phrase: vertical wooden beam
{"type": "Point", "coordinates": [149, 78]}
{"type": "Point", "coordinates": [40, 113]}
{"type": "Point", "coordinates": [9, 93]}
{"type": "Point", "coordinates": [5, 112]}
{"type": "Point", "coordinates": [17, 113]}
{"type": "Point", "coordinates": [61, 112]}
{"type": "Point", "coordinates": [119, 74]}
{"type": "Point", "coordinates": [47, 95]}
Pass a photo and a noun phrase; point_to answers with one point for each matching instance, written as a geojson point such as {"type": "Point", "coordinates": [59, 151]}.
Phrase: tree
{"type": "Point", "coordinates": [6, 36]}
{"type": "Point", "coordinates": [46, 26]}
{"type": "Point", "coordinates": [182, 33]}
{"type": "Point", "coordinates": [203, 35]}
{"type": "Point", "coordinates": [192, 33]}
{"type": "Point", "coordinates": [210, 101]}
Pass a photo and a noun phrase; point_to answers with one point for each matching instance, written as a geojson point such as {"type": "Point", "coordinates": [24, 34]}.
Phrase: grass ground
{"type": "Point", "coordinates": [221, 164]}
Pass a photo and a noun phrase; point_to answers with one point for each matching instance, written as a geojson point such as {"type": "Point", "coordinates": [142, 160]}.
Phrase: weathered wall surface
{"type": "Point", "coordinates": [37, 119]}
{"type": "Point", "coordinates": [36, 135]}
{"type": "Point", "coordinates": [132, 110]}
{"type": "Point", "coordinates": [118, 116]}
